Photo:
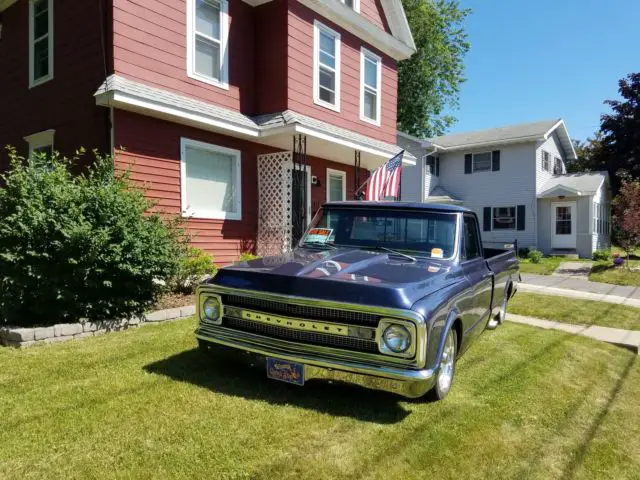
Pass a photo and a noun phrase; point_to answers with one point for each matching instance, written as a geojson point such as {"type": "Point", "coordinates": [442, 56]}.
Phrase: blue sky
{"type": "Point", "coordinates": [539, 59]}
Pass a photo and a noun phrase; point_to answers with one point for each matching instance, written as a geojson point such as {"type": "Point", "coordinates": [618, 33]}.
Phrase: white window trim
{"type": "Point", "coordinates": [32, 81]}
{"type": "Point", "coordinates": [364, 53]}
{"type": "Point", "coordinates": [515, 216]}
{"type": "Point", "coordinates": [339, 173]}
{"type": "Point", "coordinates": [473, 162]}
{"type": "Point", "coordinates": [356, 5]}
{"type": "Point", "coordinates": [209, 214]}
{"type": "Point", "coordinates": [224, 45]}
{"type": "Point", "coordinates": [317, 27]}
{"type": "Point", "coordinates": [40, 139]}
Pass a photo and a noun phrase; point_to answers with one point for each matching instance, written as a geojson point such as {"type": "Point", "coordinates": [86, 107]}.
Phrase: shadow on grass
{"type": "Point", "coordinates": [579, 456]}
{"type": "Point", "coordinates": [223, 375]}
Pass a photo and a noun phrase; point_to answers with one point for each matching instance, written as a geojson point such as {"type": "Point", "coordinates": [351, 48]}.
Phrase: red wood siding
{"type": "Point", "coordinates": [150, 46]}
{"type": "Point", "coordinates": [271, 57]}
{"type": "Point", "coordinates": [300, 78]}
{"type": "Point", "coordinates": [65, 103]}
{"type": "Point", "coordinates": [372, 11]}
{"type": "Point", "coordinates": [152, 152]}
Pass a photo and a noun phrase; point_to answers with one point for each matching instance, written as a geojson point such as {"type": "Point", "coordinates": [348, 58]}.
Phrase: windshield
{"type": "Point", "coordinates": [421, 233]}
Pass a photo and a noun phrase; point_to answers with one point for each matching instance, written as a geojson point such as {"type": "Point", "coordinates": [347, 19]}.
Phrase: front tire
{"type": "Point", "coordinates": [447, 369]}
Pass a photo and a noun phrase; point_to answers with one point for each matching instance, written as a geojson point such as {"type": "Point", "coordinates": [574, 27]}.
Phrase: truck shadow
{"type": "Point", "coordinates": [228, 378]}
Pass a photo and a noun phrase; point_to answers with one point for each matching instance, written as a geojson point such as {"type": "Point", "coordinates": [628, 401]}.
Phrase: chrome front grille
{"type": "Point", "coordinates": [337, 341]}
{"type": "Point", "coordinates": [303, 311]}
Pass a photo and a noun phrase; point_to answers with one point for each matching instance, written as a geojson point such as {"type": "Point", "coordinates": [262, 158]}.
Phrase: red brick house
{"type": "Point", "coordinates": [241, 115]}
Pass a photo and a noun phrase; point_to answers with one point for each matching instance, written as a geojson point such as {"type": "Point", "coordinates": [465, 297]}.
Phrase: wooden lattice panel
{"type": "Point", "coordinates": [274, 203]}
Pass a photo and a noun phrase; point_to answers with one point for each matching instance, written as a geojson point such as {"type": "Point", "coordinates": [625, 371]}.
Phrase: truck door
{"type": "Point", "coordinates": [477, 272]}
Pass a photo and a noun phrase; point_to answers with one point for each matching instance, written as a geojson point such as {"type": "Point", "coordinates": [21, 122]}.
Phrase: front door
{"type": "Point", "coordinates": [563, 225]}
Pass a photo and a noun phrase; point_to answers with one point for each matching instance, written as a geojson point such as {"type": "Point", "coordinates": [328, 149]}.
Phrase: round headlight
{"type": "Point", "coordinates": [212, 308]}
{"type": "Point", "coordinates": [397, 338]}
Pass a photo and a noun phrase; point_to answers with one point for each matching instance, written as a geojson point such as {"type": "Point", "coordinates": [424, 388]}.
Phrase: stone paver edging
{"type": "Point", "coordinates": [565, 292]}
{"type": "Point", "coordinates": [27, 337]}
{"type": "Point", "coordinates": [617, 336]}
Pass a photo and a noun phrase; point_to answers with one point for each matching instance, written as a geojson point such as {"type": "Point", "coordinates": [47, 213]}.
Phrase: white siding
{"type": "Point", "coordinates": [513, 185]}
{"type": "Point", "coordinates": [551, 145]}
{"type": "Point", "coordinates": [412, 183]}
{"type": "Point", "coordinates": [600, 241]}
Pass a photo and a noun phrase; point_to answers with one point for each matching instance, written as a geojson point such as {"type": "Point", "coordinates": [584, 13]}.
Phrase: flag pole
{"type": "Point", "coordinates": [369, 178]}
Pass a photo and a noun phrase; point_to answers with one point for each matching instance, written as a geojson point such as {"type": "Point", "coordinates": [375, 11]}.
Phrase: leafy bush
{"type": "Point", "coordinates": [246, 256]}
{"type": "Point", "coordinates": [195, 265]}
{"type": "Point", "coordinates": [79, 246]}
{"type": "Point", "coordinates": [535, 256]}
{"type": "Point", "coordinates": [601, 255]}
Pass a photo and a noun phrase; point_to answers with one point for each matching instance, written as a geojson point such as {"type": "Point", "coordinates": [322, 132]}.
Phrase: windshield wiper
{"type": "Point", "coordinates": [318, 244]}
{"type": "Point", "coordinates": [396, 252]}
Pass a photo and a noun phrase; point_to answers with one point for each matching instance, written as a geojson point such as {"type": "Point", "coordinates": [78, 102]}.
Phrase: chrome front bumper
{"type": "Point", "coordinates": [402, 381]}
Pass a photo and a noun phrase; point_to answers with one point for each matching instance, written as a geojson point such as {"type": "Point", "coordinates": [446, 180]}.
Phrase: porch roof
{"type": "Point", "coordinates": [440, 195]}
{"type": "Point", "coordinates": [275, 129]}
{"type": "Point", "coordinates": [574, 184]}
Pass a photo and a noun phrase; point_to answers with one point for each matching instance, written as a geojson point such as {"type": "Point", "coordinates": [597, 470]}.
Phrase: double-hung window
{"type": "Point", "coordinates": [40, 41]}
{"type": "Point", "coordinates": [41, 142]}
{"type": "Point", "coordinates": [210, 181]}
{"type": "Point", "coordinates": [557, 166]}
{"type": "Point", "coordinates": [352, 4]}
{"type": "Point", "coordinates": [504, 218]}
{"type": "Point", "coordinates": [546, 163]}
{"type": "Point", "coordinates": [326, 67]}
{"type": "Point", "coordinates": [207, 38]}
{"type": "Point", "coordinates": [370, 77]}
{"type": "Point", "coordinates": [482, 162]}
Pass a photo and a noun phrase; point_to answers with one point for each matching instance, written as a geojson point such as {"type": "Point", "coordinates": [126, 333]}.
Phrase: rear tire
{"type": "Point", "coordinates": [447, 368]}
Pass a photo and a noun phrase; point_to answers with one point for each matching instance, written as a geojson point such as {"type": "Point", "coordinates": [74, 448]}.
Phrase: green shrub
{"type": "Point", "coordinates": [195, 265]}
{"type": "Point", "coordinates": [523, 252]}
{"type": "Point", "coordinates": [246, 256]}
{"type": "Point", "coordinates": [601, 255]}
{"type": "Point", "coordinates": [535, 256]}
{"type": "Point", "coordinates": [79, 246]}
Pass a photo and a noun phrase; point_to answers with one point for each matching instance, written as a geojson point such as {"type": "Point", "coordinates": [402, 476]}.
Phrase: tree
{"type": "Point", "coordinates": [620, 132]}
{"type": "Point", "coordinates": [626, 216]}
{"type": "Point", "coordinates": [590, 156]}
{"type": "Point", "coordinates": [429, 82]}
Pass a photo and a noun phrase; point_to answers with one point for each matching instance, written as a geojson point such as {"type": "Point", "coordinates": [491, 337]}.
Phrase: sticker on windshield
{"type": "Point", "coordinates": [318, 235]}
{"type": "Point", "coordinates": [436, 253]}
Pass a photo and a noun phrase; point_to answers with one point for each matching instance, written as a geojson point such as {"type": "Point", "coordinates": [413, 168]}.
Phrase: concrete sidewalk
{"type": "Point", "coordinates": [576, 288]}
{"type": "Point", "coordinates": [625, 338]}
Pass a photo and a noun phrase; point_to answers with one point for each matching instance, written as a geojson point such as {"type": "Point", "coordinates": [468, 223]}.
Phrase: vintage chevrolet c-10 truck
{"type": "Point", "coordinates": [386, 295]}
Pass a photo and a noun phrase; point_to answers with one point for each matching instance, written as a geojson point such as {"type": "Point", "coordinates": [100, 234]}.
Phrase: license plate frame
{"type": "Point", "coordinates": [285, 371]}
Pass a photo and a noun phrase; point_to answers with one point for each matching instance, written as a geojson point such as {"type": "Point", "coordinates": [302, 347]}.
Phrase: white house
{"type": "Point", "coordinates": [515, 179]}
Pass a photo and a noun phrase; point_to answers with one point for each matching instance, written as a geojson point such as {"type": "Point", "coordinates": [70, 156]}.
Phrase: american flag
{"type": "Point", "coordinates": [385, 180]}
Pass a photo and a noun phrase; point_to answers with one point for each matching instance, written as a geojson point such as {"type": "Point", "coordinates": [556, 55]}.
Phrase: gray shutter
{"type": "Point", "coordinates": [495, 161]}
{"type": "Point", "coordinates": [468, 160]}
{"type": "Point", "coordinates": [437, 166]}
{"type": "Point", "coordinates": [486, 220]}
{"type": "Point", "coordinates": [521, 217]}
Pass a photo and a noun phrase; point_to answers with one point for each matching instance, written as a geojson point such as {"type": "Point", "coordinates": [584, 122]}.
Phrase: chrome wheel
{"type": "Point", "coordinates": [447, 365]}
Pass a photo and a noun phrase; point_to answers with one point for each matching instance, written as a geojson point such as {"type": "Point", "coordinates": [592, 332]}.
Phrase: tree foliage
{"type": "Point", "coordinates": [429, 82]}
{"type": "Point", "coordinates": [626, 215]}
{"type": "Point", "coordinates": [616, 147]}
{"type": "Point", "coordinates": [79, 246]}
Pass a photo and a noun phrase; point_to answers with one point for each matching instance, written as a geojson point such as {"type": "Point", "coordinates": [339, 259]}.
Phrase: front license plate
{"type": "Point", "coordinates": [285, 371]}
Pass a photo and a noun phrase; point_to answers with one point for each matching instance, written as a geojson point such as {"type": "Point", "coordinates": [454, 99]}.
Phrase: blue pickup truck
{"type": "Point", "coordinates": [386, 295]}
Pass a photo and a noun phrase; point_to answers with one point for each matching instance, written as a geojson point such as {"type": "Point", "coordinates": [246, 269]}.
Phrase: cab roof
{"type": "Point", "coordinates": [440, 207]}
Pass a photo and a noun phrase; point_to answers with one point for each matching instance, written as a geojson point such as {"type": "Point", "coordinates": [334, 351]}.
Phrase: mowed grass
{"type": "Point", "coordinates": [570, 310]}
{"type": "Point", "coordinates": [527, 403]}
{"type": "Point", "coordinates": [606, 272]}
{"type": "Point", "coordinates": [547, 265]}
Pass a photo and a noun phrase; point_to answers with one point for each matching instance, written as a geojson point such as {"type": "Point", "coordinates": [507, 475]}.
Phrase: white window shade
{"type": "Point", "coordinates": [326, 67]}
{"type": "Point", "coordinates": [336, 185]}
{"type": "Point", "coordinates": [370, 78]}
{"type": "Point", "coordinates": [210, 181]}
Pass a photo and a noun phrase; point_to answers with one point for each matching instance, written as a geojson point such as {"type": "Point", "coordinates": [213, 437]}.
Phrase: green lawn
{"type": "Point", "coordinates": [569, 310]}
{"type": "Point", "coordinates": [606, 272]}
{"type": "Point", "coordinates": [527, 403]}
{"type": "Point", "coordinates": [547, 265]}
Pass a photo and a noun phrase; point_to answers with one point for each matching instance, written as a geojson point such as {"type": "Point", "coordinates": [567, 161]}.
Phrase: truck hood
{"type": "Point", "coordinates": [342, 275]}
